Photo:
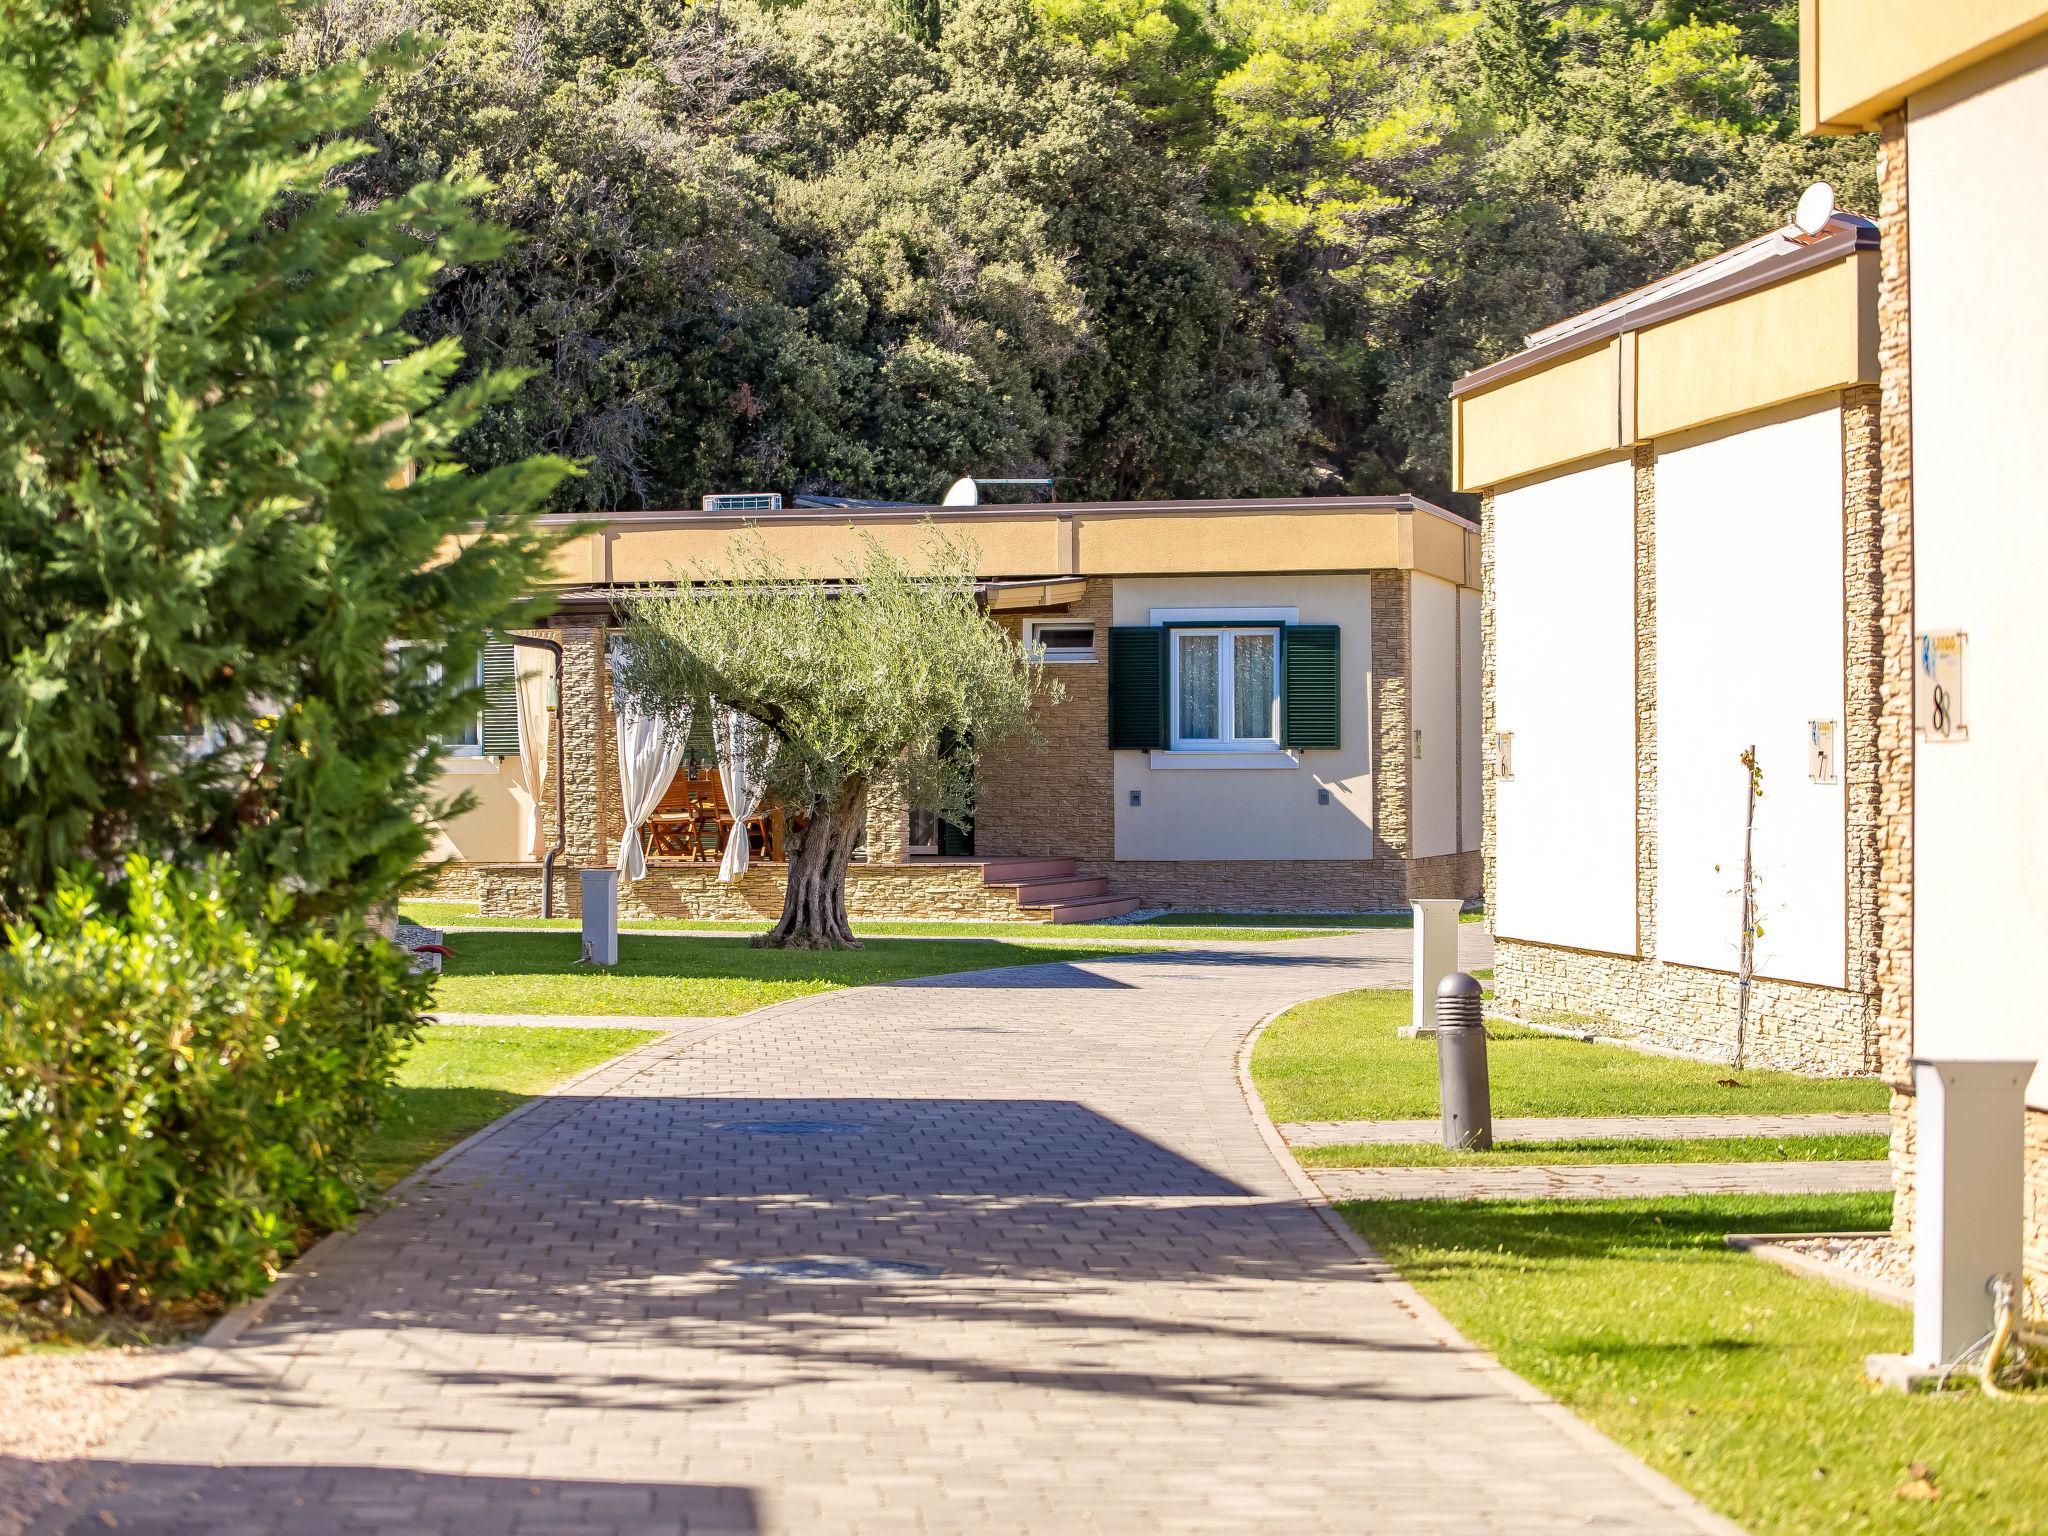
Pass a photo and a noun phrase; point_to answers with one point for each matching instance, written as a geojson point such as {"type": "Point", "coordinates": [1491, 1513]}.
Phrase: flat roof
{"type": "Point", "coordinates": [1768, 259]}
{"type": "Point", "coordinates": [907, 512]}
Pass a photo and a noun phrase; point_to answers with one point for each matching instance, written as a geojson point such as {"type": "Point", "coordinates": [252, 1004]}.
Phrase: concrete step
{"type": "Point", "coordinates": [1088, 910]}
{"type": "Point", "coordinates": [1017, 871]}
{"type": "Point", "coordinates": [1044, 893]}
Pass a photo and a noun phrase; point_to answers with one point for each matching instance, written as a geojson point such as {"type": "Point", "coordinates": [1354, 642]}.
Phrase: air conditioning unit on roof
{"type": "Point", "coordinates": [744, 501]}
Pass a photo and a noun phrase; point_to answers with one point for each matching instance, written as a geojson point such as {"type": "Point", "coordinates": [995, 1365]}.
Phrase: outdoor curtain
{"type": "Point", "coordinates": [536, 672]}
{"type": "Point", "coordinates": [734, 736]}
{"type": "Point", "coordinates": [650, 752]}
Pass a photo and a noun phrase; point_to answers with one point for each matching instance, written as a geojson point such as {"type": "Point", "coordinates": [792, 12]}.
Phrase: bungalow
{"type": "Point", "coordinates": [1679, 493]}
{"type": "Point", "coordinates": [1959, 94]}
{"type": "Point", "coordinates": [1267, 705]}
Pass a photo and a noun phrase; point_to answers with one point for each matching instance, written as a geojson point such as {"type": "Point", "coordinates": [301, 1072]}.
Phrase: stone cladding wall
{"type": "Point", "coordinates": [1895, 719]}
{"type": "Point", "coordinates": [1051, 794]}
{"type": "Point", "coordinates": [922, 890]}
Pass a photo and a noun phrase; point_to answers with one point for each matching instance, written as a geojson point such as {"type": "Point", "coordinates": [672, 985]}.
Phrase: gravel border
{"type": "Point", "coordinates": [56, 1410]}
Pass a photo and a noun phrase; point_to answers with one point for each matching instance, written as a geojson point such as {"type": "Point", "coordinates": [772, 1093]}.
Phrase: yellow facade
{"type": "Point", "coordinates": [1802, 337]}
{"type": "Point", "coordinates": [1570, 410]}
{"type": "Point", "coordinates": [1859, 59]}
{"type": "Point", "coordinates": [1807, 335]}
{"type": "Point", "coordinates": [1053, 540]}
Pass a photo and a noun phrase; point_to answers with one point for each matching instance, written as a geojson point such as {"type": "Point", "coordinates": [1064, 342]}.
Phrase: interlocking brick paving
{"type": "Point", "coordinates": [1059, 1283]}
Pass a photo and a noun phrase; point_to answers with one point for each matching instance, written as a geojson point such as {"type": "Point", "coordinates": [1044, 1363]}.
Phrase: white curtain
{"type": "Point", "coordinates": [650, 752]}
{"type": "Point", "coordinates": [734, 737]}
{"type": "Point", "coordinates": [536, 673]}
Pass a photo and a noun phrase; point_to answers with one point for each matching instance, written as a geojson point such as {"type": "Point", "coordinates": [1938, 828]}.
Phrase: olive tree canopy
{"type": "Point", "coordinates": [895, 674]}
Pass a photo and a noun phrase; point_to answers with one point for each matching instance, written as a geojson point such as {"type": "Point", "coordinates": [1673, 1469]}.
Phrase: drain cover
{"type": "Point", "coordinates": [831, 1269]}
{"type": "Point", "coordinates": [792, 1127]}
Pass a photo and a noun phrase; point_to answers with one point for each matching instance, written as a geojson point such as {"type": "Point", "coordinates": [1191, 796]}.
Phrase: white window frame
{"type": "Point", "coordinates": [465, 748]}
{"type": "Point", "coordinates": [1226, 702]}
{"type": "Point", "coordinates": [1062, 656]}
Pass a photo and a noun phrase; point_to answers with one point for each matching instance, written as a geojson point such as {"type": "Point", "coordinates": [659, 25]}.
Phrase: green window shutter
{"type": "Point", "coordinates": [1137, 687]}
{"type": "Point", "coordinates": [501, 699]}
{"type": "Point", "coordinates": [1308, 686]}
{"type": "Point", "coordinates": [700, 747]}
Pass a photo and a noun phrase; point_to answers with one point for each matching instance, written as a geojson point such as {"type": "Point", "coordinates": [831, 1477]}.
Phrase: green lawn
{"type": "Point", "coordinates": [1339, 1059]}
{"type": "Point", "coordinates": [1207, 927]}
{"type": "Point", "coordinates": [707, 976]}
{"type": "Point", "coordinates": [1637, 1149]}
{"type": "Point", "coordinates": [459, 1078]}
{"type": "Point", "coordinates": [1734, 1377]}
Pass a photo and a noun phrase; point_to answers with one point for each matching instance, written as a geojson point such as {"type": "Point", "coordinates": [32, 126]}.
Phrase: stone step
{"type": "Point", "coordinates": [1045, 893]}
{"type": "Point", "coordinates": [1017, 871]}
{"type": "Point", "coordinates": [1088, 910]}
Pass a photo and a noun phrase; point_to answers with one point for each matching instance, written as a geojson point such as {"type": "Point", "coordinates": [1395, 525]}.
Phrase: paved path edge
{"type": "Point", "coordinates": [58, 1515]}
{"type": "Point", "coordinates": [1683, 1506]}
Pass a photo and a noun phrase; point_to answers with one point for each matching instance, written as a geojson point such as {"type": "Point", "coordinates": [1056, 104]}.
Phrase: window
{"type": "Point", "coordinates": [1061, 641]}
{"type": "Point", "coordinates": [1226, 689]}
{"type": "Point", "coordinates": [468, 740]}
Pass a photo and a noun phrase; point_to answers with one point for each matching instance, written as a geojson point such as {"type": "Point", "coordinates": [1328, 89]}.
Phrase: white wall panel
{"type": "Point", "coordinates": [1749, 650]}
{"type": "Point", "coordinates": [1564, 686]}
{"type": "Point", "coordinates": [1470, 782]}
{"type": "Point", "coordinates": [1433, 715]}
{"type": "Point", "coordinates": [1980, 545]}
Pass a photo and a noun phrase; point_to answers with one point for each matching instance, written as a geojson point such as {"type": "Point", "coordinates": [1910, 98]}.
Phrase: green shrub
{"type": "Point", "coordinates": [183, 1089]}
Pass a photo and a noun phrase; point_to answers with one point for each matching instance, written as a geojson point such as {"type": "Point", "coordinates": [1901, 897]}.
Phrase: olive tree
{"type": "Point", "coordinates": [892, 675]}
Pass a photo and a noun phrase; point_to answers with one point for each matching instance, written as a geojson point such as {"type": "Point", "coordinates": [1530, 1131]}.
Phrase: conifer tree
{"type": "Point", "coordinates": [243, 583]}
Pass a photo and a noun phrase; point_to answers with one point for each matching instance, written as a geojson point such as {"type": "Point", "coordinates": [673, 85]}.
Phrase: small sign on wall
{"type": "Point", "coordinates": [1938, 714]}
{"type": "Point", "coordinates": [1503, 754]}
{"type": "Point", "coordinates": [1820, 752]}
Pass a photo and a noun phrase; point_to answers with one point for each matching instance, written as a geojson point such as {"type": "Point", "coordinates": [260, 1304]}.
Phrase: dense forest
{"type": "Point", "coordinates": [1150, 247]}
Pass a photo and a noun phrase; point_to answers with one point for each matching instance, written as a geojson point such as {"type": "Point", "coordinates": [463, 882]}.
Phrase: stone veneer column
{"type": "Point", "coordinates": [582, 720]}
{"type": "Point", "coordinates": [1391, 747]}
{"type": "Point", "coordinates": [1863, 665]}
{"type": "Point", "coordinates": [888, 823]}
{"type": "Point", "coordinates": [1895, 718]}
{"type": "Point", "coordinates": [1645, 463]}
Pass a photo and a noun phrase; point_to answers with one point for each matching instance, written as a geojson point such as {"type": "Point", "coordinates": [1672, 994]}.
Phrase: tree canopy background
{"type": "Point", "coordinates": [1151, 247]}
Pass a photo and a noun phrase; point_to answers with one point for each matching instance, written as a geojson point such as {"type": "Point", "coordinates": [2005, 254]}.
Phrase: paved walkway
{"type": "Point", "coordinates": [1602, 1181]}
{"type": "Point", "coordinates": [1339, 1133]}
{"type": "Point", "coordinates": [1049, 1276]}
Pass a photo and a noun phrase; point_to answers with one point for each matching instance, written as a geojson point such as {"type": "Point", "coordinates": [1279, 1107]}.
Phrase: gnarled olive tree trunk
{"type": "Point", "coordinates": [814, 906]}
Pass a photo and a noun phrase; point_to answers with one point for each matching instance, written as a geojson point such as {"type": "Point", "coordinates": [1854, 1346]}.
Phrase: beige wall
{"type": "Point", "coordinates": [1218, 812]}
{"type": "Point", "coordinates": [1979, 328]}
{"type": "Point", "coordinates": [496, 831]}
{"type": "Point", "coordinates": [1433, 717]}
{"type": "Point", "coordinates": [1859, 59]}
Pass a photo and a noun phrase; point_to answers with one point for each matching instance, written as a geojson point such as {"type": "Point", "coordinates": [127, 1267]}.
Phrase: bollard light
{"type": "Point", "coordinates": [1461, 1064]}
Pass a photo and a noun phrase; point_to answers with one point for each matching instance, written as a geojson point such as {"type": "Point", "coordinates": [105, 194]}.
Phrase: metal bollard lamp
{"type": "Point", "coordinates": [1461, 1065]}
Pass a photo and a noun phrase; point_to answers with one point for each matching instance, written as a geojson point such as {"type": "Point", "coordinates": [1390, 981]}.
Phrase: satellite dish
{"type": "Point", "coordinates": [1816, 207]}
{"type": "Point", "coordinates": [963, 493]}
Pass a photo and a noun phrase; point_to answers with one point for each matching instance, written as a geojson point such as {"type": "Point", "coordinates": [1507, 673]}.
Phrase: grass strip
{"type": "Point", "coordinates": [704, 976]}
{"type": "Point", "coordinates": [1833, 1148]}
{"type": "Point", "coordinates": [1739, 1380]}
{"type": "Point", "coordinates": [1339, 1058]}
{"type": "Point", "coordinates": [456, 917]}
